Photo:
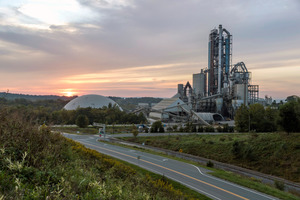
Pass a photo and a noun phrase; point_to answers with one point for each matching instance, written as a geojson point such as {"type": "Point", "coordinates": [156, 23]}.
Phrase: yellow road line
{"type": "Point", "coordinates": [170, 170]}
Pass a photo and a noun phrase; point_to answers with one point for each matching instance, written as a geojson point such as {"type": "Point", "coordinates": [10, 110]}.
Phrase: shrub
{"type": "Point", "coordinates": [219, 129]}
{"type": "Point", "coordinates": [169, 129]}
{"type": "Point", "coordinates": [210, 164]}
{"type": "Point", "coordinates": [237, 149]}
{"type": "Point", "coordinates": [194, 129]}
{"type": "Point", "coordinates": [209, 129]}
{"type": "Point", "coordinates": [161, 130]}
{"type": "Point", "coordinates": [134, 131]}
{"type": "Point", "coordinates": [279, 185]}
{"type": "Point", "coordinates": [175, 128]}
{"type": "Point", "coordinates": [200, 129]}
{"type": "Point", "coordinates": [180, 129]}
{"type": "Point", "coordinates": [230, 129]}
{"type": "Point", "coordinates": [146, 129]}
{"type": "Point", "coordinates": [225, 128]}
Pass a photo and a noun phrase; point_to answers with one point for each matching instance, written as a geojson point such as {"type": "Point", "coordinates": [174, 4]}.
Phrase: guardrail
{"type": "Point", "coordinates": [289, 185]}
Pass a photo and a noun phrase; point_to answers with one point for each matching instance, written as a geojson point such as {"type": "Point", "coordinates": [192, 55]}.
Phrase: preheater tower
{"type": "Point", "coordinates": [219, 60]}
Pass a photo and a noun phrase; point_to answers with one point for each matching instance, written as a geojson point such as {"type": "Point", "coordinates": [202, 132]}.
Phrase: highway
{"type": "Point", "coordinates": [189, 175]}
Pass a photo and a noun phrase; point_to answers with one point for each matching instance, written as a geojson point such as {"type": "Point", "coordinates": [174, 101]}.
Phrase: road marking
{"type": "Point", "coordinates": [171, 171]}
{"type": "Point", "coordinates": [232, 184]}
{"type": "Point", "coordinates": [157, 172]}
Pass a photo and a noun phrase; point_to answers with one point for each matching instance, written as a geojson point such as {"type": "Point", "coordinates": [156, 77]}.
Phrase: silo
{"type": "Point", "coordinates": [180, 89]}
{"type": "Point", "coordinates": [196, 83]}
{"type": "Point", "coordinates": [241, 92]}
{"type": "Point", "coordinates": [219, 104]}
{"type": "Point", "coordinates": [202, 88]}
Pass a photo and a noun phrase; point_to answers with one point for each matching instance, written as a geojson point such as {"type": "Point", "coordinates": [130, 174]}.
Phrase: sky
{"type": "Point", "coordinates": [137, 48]}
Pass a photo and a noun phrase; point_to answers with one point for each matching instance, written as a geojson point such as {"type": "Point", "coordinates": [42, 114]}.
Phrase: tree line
{"type": "Point", "coordinates": [256, 118]}
{"type": "Point", "coordinates": [52, 112]}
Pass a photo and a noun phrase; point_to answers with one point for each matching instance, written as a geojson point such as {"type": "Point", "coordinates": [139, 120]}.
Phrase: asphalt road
{"type": "Point", "coordinates": [189, 175]}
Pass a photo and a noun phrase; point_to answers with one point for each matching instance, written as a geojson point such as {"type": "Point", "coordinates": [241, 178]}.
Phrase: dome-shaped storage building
{"type": "Point", "coordinates": [91, 100]}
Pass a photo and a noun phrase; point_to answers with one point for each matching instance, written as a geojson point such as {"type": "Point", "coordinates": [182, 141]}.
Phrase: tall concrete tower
{"type": "Point", "coordinates": [219, 60]}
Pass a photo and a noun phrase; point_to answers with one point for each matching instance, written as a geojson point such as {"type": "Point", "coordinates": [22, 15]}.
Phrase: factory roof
{"type": "Point", "coordinates": [169, 103]}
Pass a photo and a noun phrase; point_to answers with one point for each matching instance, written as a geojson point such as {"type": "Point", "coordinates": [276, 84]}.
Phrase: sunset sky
{"type": "Point", "coordinates": [135, 48]}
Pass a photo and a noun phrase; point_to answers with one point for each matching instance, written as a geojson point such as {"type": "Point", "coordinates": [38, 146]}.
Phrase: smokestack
{"type": "Point", "coordinates": [220, 58]}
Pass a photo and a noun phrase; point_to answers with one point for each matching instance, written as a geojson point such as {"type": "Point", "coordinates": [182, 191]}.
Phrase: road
{"type": "Point", "coordinates": [189, 175]}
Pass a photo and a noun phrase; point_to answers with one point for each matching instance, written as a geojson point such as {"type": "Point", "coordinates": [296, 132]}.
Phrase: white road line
{"type": "Point", "coordinates": [229, 183]}
{"type": "Point", "coordinates": [161, 173]}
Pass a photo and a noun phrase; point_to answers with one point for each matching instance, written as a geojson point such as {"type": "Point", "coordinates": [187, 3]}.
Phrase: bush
{"type": "Point", "coordinates": [175, 128]}
{"type": "Point", "coordinates": [237, 149]}
{"type": "Point", "coordinates": [169, 129]}
{"type": "Point", "coordinates": [200, 129]}
{"type": "Point", "coordinates": [194, 129]}
{"type": "Point", "coordinates": [210, 164]}
{"type": "Point", "coordinates": [209, 129]}
{"type": "Point", "coordinates": [134, 131]}
{"type": "Point", "coordinates": [180, 129]}
{"type": "Point", "coordinates": [161, 130]}
{"type": "Point", "coordinates": [225, 128]}
{"type": "Point", "coordinates": [82, 121]}
{"type": "Point", "coordinates": [219, 129]}
{"type": "Point", "coordinates": [230, 129]}
{"type": "Point", "coordinates": [279, 185]}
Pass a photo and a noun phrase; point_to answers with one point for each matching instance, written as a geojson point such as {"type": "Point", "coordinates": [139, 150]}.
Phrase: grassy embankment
{"type": "Point", "coordinates": [116, 129]}
{"type": "Point", "coordinates": [252, 183]}
{"type": "Point", "coordinates": [272, 153]}
{"type": "Point", "coordinates": [38, 164]}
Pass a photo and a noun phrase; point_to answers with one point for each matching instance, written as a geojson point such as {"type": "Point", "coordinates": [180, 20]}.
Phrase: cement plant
{"type": "Point", "coordinates": [217, 91]}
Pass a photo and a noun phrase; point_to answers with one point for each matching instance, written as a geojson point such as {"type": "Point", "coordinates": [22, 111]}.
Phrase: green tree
{"type": "Point", "coordinates": [257, 117]}
{"type": "Point", "coordinates": [271, 116]}
{"type": "Point", "coordinates": [156, 127]}
{"type": "Point", "coordinates": [289, 116]}
{"type": "Point", "coordinates": [134, 131]}
{"type": "Point", "coordinates": [82, 121]}
{"type": "Point", "coordinates": [241, 119]}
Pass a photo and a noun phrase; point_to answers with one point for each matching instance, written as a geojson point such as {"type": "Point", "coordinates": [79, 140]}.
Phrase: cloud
{"type": "Point", "coordinates": [114, 40]}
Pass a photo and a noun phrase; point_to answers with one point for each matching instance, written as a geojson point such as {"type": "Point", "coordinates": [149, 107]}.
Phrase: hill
{"type": "Point", "coordinates": [270, 153]}
{"type": "Point", "coordinates": [12, 96]}
{"type": "Point", "coordinates": [38, 164]}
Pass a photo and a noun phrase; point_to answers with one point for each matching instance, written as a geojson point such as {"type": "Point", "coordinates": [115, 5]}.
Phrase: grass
{"type": "Point", "coordinates": [39, 164]}
{"type": "Point", "coordinates": [270, 153]}
{"type": "Point", "coordinates": [253, 184]}
{"type": "Point", "coordinates": [117, 129]}
{"type": "Point", "coordinates": [229, 176]}
{"type": "Point", "coordinates": [76, 130]}
{"type": "Point", "coordinates": [175, 184]}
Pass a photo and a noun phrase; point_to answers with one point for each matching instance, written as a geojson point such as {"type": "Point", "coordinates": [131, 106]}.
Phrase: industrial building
{"type": "Point", "coordinates": [217, 91]}
{"type": "Point", "coordinates": [92, 101]}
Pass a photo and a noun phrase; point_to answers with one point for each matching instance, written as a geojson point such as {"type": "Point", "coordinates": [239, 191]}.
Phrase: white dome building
{"type": "Point", "coordinates": [91, 100]}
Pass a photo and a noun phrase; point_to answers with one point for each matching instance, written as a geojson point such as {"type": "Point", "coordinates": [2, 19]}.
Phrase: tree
{"type": "Point", "coordinates": [82, 121]}
{"type": "Point", "coordinates": [242, 119]}
{"type": "Point", "coordinates": [257, 117]}
{"type": "Point", "coordinates": [156, 127]}
{"type": "Point", "coordinates": [271, 115]}
{"type": "Point", "coordinates": [289, 116]}
{"type": "Point", "coordinates": [134, 131]}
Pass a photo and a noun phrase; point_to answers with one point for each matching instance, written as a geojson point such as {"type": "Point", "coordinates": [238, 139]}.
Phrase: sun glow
{"type": "Point", "coordinates": [68, 93]}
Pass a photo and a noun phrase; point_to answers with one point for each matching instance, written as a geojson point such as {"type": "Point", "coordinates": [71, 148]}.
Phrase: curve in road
{"type": "Point", "coordinates": [194, 177]}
